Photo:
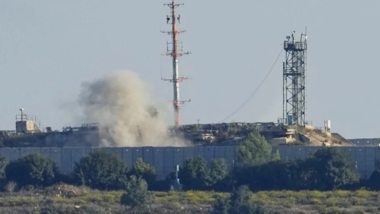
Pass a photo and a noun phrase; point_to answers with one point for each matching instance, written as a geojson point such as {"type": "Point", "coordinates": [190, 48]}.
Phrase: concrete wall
{"type": "Point", "coordinates": [364, 157]}
{"type": "Point", "coordinates": [165, 159]}
{"type": "Point", "coordinates": [366, 142]}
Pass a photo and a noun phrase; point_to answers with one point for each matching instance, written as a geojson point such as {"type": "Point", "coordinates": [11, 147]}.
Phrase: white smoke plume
{"type": "Point", "coordinates": [119, 104]}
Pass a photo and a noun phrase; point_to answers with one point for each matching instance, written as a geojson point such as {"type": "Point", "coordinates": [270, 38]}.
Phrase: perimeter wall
{"type": "Point", "coordinates": [165, 159]}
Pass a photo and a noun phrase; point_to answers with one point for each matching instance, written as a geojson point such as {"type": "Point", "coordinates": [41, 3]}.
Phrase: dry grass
{"type": "Point", "coordinates": [94, 201]}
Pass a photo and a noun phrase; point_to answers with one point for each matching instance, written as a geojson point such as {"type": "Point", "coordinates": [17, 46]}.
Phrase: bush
{"type": "Point", "coordinates": [328, 169]}
{"type": "Point", "coordinates": [217, 173]}
{"type": "Point", "coordinates": [144, 170]}
{"type": "Point", "coordinates": [275, 175]}
{"type": "Point", "coordinates": [3, 165]}
{"type": "Point", "coordinates": [240, 202]}
{"type": "Point", "coordinates": [136, 195]}
{"type": "Point", "coordinates": [10, 187]}
{"type": "Point", "coordinates": [221, 205]}
{"type": "Point", "coordinates": [374, 180]}
{"type": "Point", "coordinates": [193, 175]}
{"type": "Point", "coordinates": [33, 169]}
{"type": "Point", "coordinates": [256, 151]}
{"type": "Point", "coordinates": [196, 175]}
{"type": "Point", "coordinates": [101, 170]}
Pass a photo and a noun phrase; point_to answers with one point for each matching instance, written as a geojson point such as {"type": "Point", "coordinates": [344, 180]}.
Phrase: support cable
{"type": "Point", "coordinates": [255, 91]}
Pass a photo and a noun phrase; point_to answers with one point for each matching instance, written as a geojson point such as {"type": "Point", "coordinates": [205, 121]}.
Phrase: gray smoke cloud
{"type": "Point", "coordinates": [119, 104]}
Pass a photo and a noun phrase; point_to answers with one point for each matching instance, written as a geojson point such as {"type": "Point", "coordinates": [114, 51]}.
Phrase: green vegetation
{"type": "Point", "coordinates": [374, 180]}
{"type": "Point", "coordinates": [256, 151]}
{"type": "Point", "coordinates": [33, 169]}
{"type": "Point", "coordinates": [136, 195]}
{"type": "Point", "coordinates": [217, 174]}
{"type": "Point", "coordinates": [144, 171]}
{"type": "Point", "coordinates": [328, 169]}
{"type": "Point", "coordinates": [101, 170]}
{"type": "Point", "coordinates": [94, 201]}
{"type": "Point", "coordinates": [240, 202]}
{"type": "Point", "coordinates": [221, 205]}
{"type": "Point", "coordinates": [258, 169]}
{"type": "Point", "coordinates": [196, 174]}
{"type": "Point", "coordinates": [193, 175]}
{"type": "Point", "coordinates": [3, 164]}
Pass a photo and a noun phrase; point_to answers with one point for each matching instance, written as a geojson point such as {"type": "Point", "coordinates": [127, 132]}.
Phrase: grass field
{"type": "Point", "coordinates": [70, 199]}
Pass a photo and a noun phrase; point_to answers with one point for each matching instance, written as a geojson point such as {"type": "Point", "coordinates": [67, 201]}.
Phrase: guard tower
{"type": "Point", "coordinates": [294, 68]}
{"type": "Point", "coordinates": [26, 124]}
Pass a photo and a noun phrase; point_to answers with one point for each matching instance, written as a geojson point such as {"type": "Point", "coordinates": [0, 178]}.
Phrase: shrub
{"type": "Point", "coordinates": [363, 194]}
{"type": "Point", "coordinates": [217, 174]}
{"type": "Point", "coordinates": [10, 187]}
{"type": "Point", "coordinates": [101, 170]}
{"type": "Point", "coordinates": [332, 201]}
{"type": "Point", "coordinates": [196, 175]}
{"type": "Point", "coordinates": [341, 193]}
{"type": "Point", "coordinates": [33, 169]}
{"type": "Point", "coordinates": [193, 175]}
{"type": "Point", "coordinates": [136, 195]}
{"type": "Point", "coordinates": [256, 151]}
{"type": "Point", "coordinates": [3, 165]}
{"type": "Point", "coordinates": [328, 169]}
{"type": "Point", "coordinates": [221, 205]}
{"type": "Point", "coordinates": [144, 170]}
{"type": "Point", "coordinates": [240, 202]}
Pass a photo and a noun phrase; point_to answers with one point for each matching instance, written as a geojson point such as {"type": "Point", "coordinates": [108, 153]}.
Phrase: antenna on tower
{"type": "Point", "coordinates": [175, 53]}
{"type": "Point", "coordinates": [294, 68]}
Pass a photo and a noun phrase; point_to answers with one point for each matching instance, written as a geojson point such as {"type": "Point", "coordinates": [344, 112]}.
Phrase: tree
{"type": "Point", "coordinates": [101, 170]}
{"type": "Point", "coordinates": [136, 195]}
{"type": "Point", "coordinates": [144, 170]}
{"type": "Point", "coordinates": [328, 169]}
{"type": "Point", "coordinates": [275, 175]}
{"type": "Point", "coordinates": [3, 165]}
{"type": "Point", "coordinates": [218, 172]}
{"type": "Point", "coordinates": [194, 173]}
{"type": "Point", "coordinates": [221, 205]}
{"type": "Point", "coordinates": [255, 151]}
{"type": "Point", "coordinates": [33, 169]}
{"type": "Point", "coordinates": [240, 202]}
{"type": "Point", "coordinates": [374, 180]}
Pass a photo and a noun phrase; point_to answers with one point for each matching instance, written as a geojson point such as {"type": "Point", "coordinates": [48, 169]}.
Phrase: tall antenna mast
{"type": "Point", "coordinates": [294, 68]}
{"type": "Point", "coordinates": [175, 53]}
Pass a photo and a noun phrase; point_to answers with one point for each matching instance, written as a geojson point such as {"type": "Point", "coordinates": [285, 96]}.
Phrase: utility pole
{"type": "Point", "coordinates": [175, 53]}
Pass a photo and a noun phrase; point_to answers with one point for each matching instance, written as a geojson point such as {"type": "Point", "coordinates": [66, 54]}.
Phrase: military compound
{"type": "Point", "coordinates": [292, 135]}
{"type": "Point", "coordinates": [211, 141]}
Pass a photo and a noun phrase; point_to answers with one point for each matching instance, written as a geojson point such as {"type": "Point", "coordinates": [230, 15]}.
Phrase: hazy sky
{"type": "Point", "coordinates": [49, 48]}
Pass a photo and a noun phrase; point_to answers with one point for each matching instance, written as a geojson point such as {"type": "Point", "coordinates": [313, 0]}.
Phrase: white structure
{"type": "Point", "coordinates": [327, 126]}
{"type": "Point", "coordinates": [26, 124]}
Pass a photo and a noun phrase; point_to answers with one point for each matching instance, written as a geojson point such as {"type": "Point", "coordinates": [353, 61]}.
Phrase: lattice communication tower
{"type": "Point", "coordinates": [294, 68]}
{"type": "Point", "coordinates": [175, 52]}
